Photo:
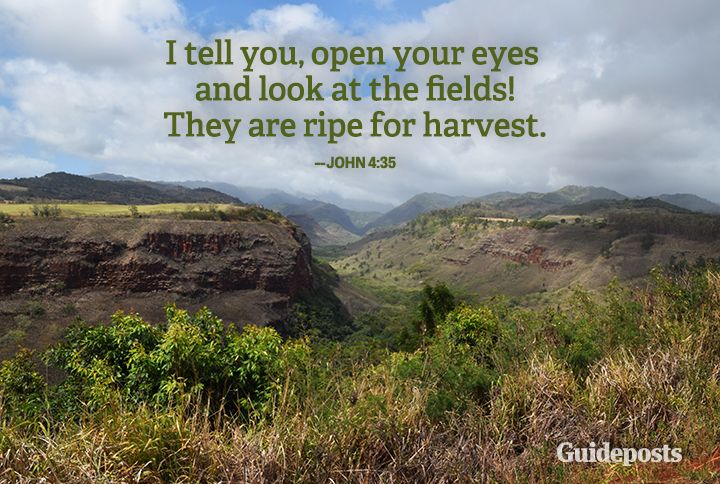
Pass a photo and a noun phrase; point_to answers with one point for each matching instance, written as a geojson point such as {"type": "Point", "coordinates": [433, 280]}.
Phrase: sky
{"type": "Point", "coordinates": [626, 92]}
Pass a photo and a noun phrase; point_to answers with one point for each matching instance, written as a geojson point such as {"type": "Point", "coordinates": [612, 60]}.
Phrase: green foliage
{"type": "Point", "coordinates": [22, 389]}
{"type": "Point", "coordinates": [188, 354]}
{"type": "Point", "coordinates": [46, 211]}
{"type": "Point", "coordinates": [579, 342]}
{"type": "Point", "coordinates": [437, 301]}
{"type": "Point", "coordinates": [318, 313]}
{"type": "Point", "coordinates": [541, 224]}
{"type": "Point", "coordinates": [487, 397]}
{"type": "Point", "coordinates": [134, 212]}
{"type": "Point", "coordinates": [248, 213]}
{"type": "Point", "coordinates": [450, 375]}
{"type": "Point", "coordinates": [477, 329]}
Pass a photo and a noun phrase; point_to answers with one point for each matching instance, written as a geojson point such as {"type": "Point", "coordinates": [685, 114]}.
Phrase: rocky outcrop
{"type": "Point", "coordinates": [184, 257]}
{"type": "Point", "coordinates": [528, 254]}
{"type": "Point", "coordinates": [513, 246]}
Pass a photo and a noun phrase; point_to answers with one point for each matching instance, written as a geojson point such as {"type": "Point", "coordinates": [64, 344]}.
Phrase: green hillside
{"type": "Point", "coordinates": [64, 186]}
{"type": "Point", "coordinates": [415, 206]}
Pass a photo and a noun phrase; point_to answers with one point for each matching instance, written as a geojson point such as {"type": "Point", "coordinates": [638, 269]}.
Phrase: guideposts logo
{"type": "Point", "coordinates": [567, 452]}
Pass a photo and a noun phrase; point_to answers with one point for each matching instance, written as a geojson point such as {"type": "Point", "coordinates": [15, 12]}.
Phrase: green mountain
{"type": "Point", "coordinates": [64, 186]}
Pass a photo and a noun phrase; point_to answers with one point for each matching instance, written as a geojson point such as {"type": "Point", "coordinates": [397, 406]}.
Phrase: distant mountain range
{"type": "Point", "coordinates": [691, 202]}
{"type": "Point", "coordinates": [534, 204]}
{"type": "Point", "coordinates": [336, 220]}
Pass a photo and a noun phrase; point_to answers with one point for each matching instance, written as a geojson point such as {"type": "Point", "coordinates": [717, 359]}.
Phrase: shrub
{"type": "Point", "coordinates": [69, 309]}
{"type": "Point", "coordinates": [437, 301]}
{"type": "Point", "coordinates": [134, 212]}
{"type": "Point", "coordinates": [6, 220]}
{"type": "Point", "coordinates": [541, 224]}
{"type": "Point", "coordinates": [188, 355]}
{"type": "Point", "coordinates": [475, 328]}
{"type": "Point", "coordinates": [46, 211]}
{"type": "Point", "coordinates": [34, 309]}
{"type": "Point", "coordinates": [22, 321]}
{"type": "Point", "coordinates": [22, 389]}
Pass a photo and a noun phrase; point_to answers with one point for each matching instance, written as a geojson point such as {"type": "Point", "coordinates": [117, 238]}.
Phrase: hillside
{"type": "Point", "coordinates": [415, 206]}
{"type": "Point", "coordinates": [272, 196]}
{"type": "Point", "coordinates": [691, 202]}
{"type": "Point", "coordinates": [481, 254]}
{"type": "Point", "coordinates": [600, 207]}
{"type": "Point", "coordinates": [64, 186]}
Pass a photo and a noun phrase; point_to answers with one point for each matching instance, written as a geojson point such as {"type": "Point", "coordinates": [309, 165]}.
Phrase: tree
{"type": "Point", "coordinates": [437, 301]}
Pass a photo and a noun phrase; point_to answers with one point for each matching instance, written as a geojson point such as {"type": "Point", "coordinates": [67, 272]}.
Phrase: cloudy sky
{"type": "Point", "coordinates": [626, 91]}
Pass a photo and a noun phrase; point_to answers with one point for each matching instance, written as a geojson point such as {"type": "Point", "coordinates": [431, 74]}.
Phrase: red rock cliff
{"type": "Point", "coordinates": [185, 257]}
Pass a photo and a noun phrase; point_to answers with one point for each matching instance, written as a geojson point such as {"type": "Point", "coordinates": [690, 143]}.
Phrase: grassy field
{"type": "Point", "coordinates": [102, 209]}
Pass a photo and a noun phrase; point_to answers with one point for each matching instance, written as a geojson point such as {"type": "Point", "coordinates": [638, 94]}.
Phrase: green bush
{"type": "Point", "coordinates": [437, 301]}
{"type": "Point", "coordinates": [541, 224]}
{"type": "Point", "coordinates": [22, 389]}
{"type": "Point", "coordinates": [187, 355]}
{"type": "Point", "coordinates": [46, 211]}
{"type": "Point", "coordinates": [246, 213]}
{"type": "Point", "coordinates": [134, 212]}
{"type": "Point", "coordinates": [475, 328]}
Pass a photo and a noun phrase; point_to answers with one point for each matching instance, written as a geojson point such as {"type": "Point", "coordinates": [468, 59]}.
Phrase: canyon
{"type": "Point", "coordinates": [62, 269]}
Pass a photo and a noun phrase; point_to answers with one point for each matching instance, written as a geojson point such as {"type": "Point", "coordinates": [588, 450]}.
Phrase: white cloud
{"type": "Point", "coordinates": [12, 166]}
{"type": "Point", "coordinates": [285, 19]}
{"type": "Point", "coordinates": [628, 100]}
{"type": "Point", "coordinates": [89, 33]}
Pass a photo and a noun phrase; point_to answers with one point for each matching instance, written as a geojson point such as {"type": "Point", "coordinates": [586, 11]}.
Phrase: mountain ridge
{"type": "Point", "coordinates": [69, 187]}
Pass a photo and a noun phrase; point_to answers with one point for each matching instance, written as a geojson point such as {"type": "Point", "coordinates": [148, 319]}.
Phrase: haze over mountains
{"type": "Point", "coordinates": [332, 220]}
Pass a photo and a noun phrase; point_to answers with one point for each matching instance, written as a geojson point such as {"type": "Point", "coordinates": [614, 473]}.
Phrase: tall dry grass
{"type": "Point", "coordinates": [334, 421]}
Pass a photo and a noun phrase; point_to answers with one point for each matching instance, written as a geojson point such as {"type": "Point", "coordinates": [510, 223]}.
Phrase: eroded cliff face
{"type": "Point", "coordinates": [190, 258]}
